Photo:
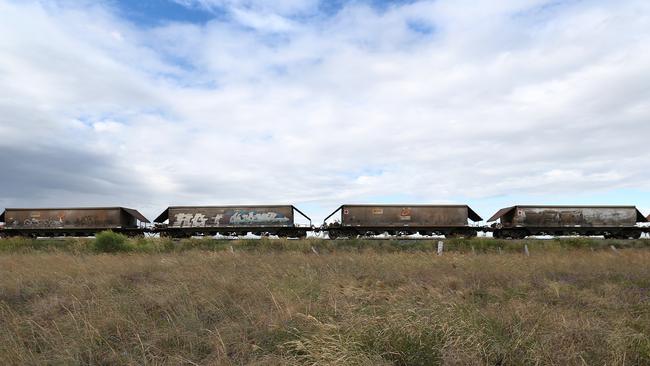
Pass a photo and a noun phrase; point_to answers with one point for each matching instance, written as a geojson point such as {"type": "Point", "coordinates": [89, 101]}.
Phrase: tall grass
{"type": "Point", "coordinates": [109, 242]}
{"type": "Point", "coordinates": [356, 307]}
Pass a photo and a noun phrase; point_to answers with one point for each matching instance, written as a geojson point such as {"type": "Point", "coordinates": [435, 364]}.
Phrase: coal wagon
{"type": "Point", "coordinates": [187, 221]}
{"type": "Point", "coordinates": [365, 220]}
{"type": "Point", "coordinates": [517, 222]}
{"type": "Point", "coordinates": [71, 221]}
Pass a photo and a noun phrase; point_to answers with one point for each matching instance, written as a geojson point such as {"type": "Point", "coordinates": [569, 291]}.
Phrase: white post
{"type": "Point", "coordinates": [614, 249]}
{"type": "Point", "coordinates": [314, 250]}
{"type": "Point", "coordinates": [440, 246]}
{"type": "Point", "coordinates": [526, 250]}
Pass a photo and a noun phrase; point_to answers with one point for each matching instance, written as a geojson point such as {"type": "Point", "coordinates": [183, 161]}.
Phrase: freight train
{"type": "Point", "coordinates": [353, 220]}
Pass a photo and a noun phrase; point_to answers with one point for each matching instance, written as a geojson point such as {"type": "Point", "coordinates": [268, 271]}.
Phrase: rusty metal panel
{"type": "Point", "coordinates": [401, 216]}
{"type": "Point", "coordinates": [567, 216]}
{"type": "Point", "coordinates": [502, 212]}
{"type": "Point", "coordinates": [67, 218]}
{"type": "Point", "coordinates": [230, 216]}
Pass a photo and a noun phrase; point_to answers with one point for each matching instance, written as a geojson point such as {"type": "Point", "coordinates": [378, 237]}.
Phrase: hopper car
{"type": "Point", "coordinates": [518, 222]}
{"type": "Point", "coordinates": [187, 221]}
{"type": "Point", "coordinates": [397, 220]}
{"type": "Point", "coordinates": [71, 221]}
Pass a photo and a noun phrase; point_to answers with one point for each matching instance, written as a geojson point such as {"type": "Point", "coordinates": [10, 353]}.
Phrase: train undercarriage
{"type": "Point", "coordinates": [608, 233]}
{"type": "Point", "coordinates": [287, 232]}
{"type": "Point", "coordinates": [356, 232]}
{"type": "Point", "coordinates": [67, 232]}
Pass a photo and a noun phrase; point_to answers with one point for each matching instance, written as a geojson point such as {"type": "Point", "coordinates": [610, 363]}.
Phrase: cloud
{"type": "Point", "coordinates": [283, 7]}
{"type": "Point", "coordinates": [283, 103]}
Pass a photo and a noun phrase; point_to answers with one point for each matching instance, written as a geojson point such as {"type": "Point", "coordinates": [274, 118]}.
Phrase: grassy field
{"type": "Point", "coordinates": [197, 302]}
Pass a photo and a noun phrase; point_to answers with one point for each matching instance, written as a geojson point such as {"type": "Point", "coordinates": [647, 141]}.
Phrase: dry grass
{"type": "Point", "coordinates": [561, 307]}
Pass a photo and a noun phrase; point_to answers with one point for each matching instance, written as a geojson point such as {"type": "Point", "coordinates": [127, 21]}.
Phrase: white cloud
{"type": "Point", "coordinates": [284, 7]}
{"type": "Point", "coordinates": [503, 98]}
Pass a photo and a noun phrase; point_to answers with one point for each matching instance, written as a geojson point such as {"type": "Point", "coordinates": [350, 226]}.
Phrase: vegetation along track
{"type": "Point", "coordinates": [295, 302]}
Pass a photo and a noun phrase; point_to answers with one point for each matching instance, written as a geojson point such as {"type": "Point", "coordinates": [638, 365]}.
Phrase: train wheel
{"type": "Point", "coordinates": [457, 234]}
{"type": "Point", "coordinates": [631, 234]}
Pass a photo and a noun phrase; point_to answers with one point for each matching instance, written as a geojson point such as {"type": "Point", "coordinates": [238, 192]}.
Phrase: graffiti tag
{"type": "Point", "coordinates": [238, 217]}
{"type": "Point", "coordinates": [249, 217]}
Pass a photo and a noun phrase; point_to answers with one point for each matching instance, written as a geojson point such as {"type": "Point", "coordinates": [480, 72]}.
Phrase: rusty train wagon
{"type": "Point", "coordinates": [187, 221]}
{"type": "Point", "coordinates": [517, 222]}
{"type": "Point", "coordinates": [365, 220]}
{"type": "Point", "coordinates": [80, 221]}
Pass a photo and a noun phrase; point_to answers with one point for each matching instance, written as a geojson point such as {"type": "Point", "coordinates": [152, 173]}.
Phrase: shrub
{"type": "Point", "coordinates": [110, 242]}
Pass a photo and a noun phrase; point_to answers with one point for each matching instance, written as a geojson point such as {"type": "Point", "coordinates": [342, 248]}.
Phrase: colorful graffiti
{"type": "Point", "coordinates": [252, 217]}
{"type": "Point", "coordinates": [234, 217]}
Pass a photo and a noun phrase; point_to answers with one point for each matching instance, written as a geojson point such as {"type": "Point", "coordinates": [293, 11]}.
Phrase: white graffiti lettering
{"type": "Point", "coordinates": [43, 223]}
{"type": "Point", "coordinates": [245, 217]}
{"type": "Point", "coordinates": [217, 219]}
{"type": "Point", "coordinates": [190, 220]}
{"type": "Point", "coordinates": [237, 218]}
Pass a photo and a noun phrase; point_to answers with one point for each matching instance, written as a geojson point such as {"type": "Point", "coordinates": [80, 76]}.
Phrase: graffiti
{"type": "Point", "coordinates": [42, 223]}
{"type": "Point", "coordinates": [250, 217]}
{"type": "Point", "coordinates": [86, 221]}
{"type": "Point", "coordinates": [190, 220]}
{"type": "Point", "coordinates": [237, 217]}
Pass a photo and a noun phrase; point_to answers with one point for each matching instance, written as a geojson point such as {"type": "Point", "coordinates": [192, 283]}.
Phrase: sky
{"type": "Point", "coordinates": [152, 103]}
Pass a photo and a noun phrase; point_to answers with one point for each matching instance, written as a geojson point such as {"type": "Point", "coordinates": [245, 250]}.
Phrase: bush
{"type": "Point", "coordinates": [110, 242]}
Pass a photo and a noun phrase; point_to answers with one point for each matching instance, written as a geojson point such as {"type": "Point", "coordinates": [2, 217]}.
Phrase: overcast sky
{"type": "Point", "coordinates": [150, 103]}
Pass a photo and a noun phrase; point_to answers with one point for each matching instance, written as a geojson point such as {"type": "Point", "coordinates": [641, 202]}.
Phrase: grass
{"type": "Point", "coordinates": [109, 242]}
{"type": "Point", "coordinates": [197, 302]}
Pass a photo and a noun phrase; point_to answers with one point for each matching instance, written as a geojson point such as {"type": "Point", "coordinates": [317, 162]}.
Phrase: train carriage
{"type": "Point", "coordinates": [187, 221]}
{"type": "Point", "coordinates": [609, 221]}
{"type": "Point", "coordinates": [71, 221]}
{"type": "Point", "coordinates": [365, 220]}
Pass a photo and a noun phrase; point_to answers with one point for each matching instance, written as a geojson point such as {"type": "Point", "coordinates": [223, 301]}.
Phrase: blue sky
{"type": "Point", "coordinates": [156, 103]}
{"type": "Point", "coordinates": [157, 12]}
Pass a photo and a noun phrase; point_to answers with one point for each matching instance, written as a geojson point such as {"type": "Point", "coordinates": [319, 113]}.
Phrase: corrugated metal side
{"type": "Point", "coordinates": [245, 216]}
{"type": "Point", "coordinates": [400, 216]}
{"type": "Point", "coordinates": [65, 218]}
{"type": "Point", "coordinates": [574, 216]}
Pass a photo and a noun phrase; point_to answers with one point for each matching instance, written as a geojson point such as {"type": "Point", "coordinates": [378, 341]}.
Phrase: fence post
{"type": "Point", "coordinates": [526, 250]}
{"type": "Point", "coordinates": [440, 246]}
